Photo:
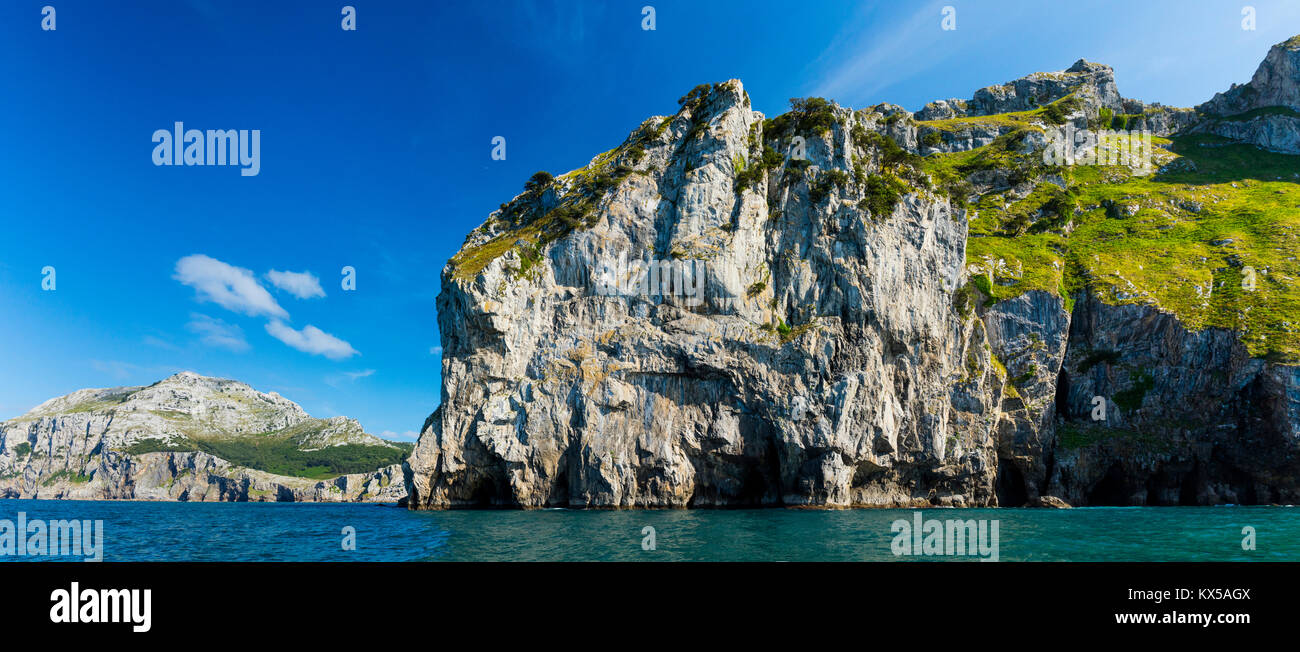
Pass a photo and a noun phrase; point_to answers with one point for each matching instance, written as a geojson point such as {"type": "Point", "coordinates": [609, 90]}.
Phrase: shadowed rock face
{"type": "Point", "coordinates": [1196, 420]}
{"type": "Point", "coordinates": [79, 446]}
{"type": "Point", "coordinates": [833, 360]}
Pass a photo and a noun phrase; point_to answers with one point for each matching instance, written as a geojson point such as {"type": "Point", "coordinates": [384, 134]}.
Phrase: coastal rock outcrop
{"type": "Point", "coordinates": [815, 370]}
{"type": "Point", "coordinates": [733, 310]}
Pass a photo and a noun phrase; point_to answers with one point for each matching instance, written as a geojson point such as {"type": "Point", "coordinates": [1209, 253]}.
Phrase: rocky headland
{"type": "Point", "coordinates": [893, 309]}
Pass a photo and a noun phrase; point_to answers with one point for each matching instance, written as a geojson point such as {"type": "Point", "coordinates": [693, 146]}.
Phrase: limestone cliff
{"type": "Point", "coordinates": [162, 442]}
{"type": "Point", "coordinates": [869, 308]}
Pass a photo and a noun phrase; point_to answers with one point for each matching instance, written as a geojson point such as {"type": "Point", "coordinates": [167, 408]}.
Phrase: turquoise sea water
{"type": "Point", "coordinates": [143, 531]}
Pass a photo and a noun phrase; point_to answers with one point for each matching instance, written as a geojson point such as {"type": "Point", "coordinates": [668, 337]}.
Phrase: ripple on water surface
{"type": "Point", "coordinates": [145, 531]}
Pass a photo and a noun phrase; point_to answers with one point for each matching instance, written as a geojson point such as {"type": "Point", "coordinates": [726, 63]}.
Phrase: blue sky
{"type": "Point", "coordinates": [376, 154]}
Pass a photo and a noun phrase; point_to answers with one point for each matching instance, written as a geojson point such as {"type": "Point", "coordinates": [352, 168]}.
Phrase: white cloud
{"type": "Point", "coordinates": [311, 340]}
{"type": "Point", "coordinates": [217, 333]}
{"type": "Point", "coordinates": [409, 435]}
{"type": "Point", "coordinates": [303, 285]}
{"type": "Point", "coordinates": [435, 350]}
{"type": "Point", "coordinates": [334, 380]}
{"type": "Point", "coordinates": [232, 288]}
{"type": "Point", "coordinates": [238, 290]}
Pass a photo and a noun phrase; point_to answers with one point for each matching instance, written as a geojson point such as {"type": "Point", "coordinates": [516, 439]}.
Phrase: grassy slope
{"type": "Point", "coordinates": [1019, 119]}
{"type": "Point", "coordinates": [280, 455]}
{"type": "Point", "coordinates": [277, 452]}
{"type": "Point", "coordinates": [1164, 252]}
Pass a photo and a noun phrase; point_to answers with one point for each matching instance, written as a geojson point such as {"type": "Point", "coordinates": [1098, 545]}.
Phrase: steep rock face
{"type": "Point", "coordinates": [1264, 111]}
{"type": "Point", "coordinates": [873, 390]}
{"type": "Point", "coordinates": [1275, 83]}
{"type": "Point", "coordinates": [1029, 336]}
{"type": "Point", "coordinates": [127, 443]}
{"type": "Point", "coordinates": [1194, 419]}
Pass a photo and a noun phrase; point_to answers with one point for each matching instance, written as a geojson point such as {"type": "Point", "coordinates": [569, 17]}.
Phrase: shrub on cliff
{"type": "Point", "coordinates": [539, 180]}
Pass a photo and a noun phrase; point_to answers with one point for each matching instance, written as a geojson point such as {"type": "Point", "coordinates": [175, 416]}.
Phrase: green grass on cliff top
{"type": "Point", "coordinates": [276, 451]}
{"type": "Point", "coordinates": [281, 456]}
{"type": "Point", "coordinates": [522, 224]}
{"type": "Point", "coordinates": [1182, 240]}
{"type": "Point", "coordinates": [1020, 120]}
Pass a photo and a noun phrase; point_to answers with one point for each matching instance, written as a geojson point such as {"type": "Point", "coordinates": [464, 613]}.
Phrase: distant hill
{"type": "Point", "coordinates": [190, 437]}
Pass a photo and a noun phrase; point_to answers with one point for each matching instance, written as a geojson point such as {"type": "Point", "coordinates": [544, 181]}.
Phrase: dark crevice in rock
{"type": "Point", "coordinates": [1113, 488]}
{"type": "Point", "coordinates": [560, 488]}
{"type": "Point", "coordinates": [1190, 489]}
{"type": "Point", "coordinates": [1044, 485]}
{"type": "Point", "coordinates": [1011, 485]}
{"type": "Point", "coordinates": [1063, 392]}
